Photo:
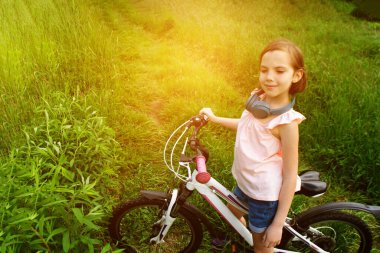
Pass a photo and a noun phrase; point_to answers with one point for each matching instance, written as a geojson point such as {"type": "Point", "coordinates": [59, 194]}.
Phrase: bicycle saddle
{"type": "Point", "coordinates": [311, 185]}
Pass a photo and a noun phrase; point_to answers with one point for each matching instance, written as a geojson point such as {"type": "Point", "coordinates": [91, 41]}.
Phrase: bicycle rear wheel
{"type": "Point", "coordinates": [133, 225]}
{"type": "Point", "coordinates": [333, 232]}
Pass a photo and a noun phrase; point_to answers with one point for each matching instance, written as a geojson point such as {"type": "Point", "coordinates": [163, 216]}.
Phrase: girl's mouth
{"type": "Point", "coordinates": [270, 87]}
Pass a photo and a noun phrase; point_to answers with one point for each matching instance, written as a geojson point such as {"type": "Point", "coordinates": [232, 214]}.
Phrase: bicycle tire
{"type": "Point", "coordinates": [129, 231]}
{"type": "Point", "coordinates": [337, 232]}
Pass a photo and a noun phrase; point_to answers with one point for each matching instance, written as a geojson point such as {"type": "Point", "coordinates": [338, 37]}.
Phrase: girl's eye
{"type": "Point", "coordinates": [263, 70]}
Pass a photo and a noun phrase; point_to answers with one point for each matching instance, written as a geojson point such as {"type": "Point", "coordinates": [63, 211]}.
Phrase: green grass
{"type": "Point", "coordinates": [145, 67]}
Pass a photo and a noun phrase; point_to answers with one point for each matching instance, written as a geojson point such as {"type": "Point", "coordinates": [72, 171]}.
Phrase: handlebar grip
{"type": "Point", "coordinates": [203, 176]}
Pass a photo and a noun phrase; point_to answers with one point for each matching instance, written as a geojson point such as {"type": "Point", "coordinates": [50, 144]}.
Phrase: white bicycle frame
{"type": "Point", "coordinates": [214, 192]}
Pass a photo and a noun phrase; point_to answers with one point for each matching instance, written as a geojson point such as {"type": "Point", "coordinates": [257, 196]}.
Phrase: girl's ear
{"type": "Point", "coordinates": [298, 74]}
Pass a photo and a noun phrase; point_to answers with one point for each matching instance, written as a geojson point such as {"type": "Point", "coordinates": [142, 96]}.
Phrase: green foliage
{"type": "Point", "coordinates": [76, 76]}
{"type": "Point", "coordinates": [48, 45]}
{"type": "Point", "coordinates": [55, 196]}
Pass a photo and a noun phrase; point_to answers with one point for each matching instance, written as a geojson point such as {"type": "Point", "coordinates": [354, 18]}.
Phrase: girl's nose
{"type": "Point", "coordinates": [269, 75]}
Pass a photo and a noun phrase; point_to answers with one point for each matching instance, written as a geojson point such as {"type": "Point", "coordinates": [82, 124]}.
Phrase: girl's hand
{"type": "Point", "coordinates": [208, 112]}
{"type": "Point", "coordinates": [272, 236]}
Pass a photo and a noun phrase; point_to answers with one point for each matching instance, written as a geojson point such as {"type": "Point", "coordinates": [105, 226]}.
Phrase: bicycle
{"type": "Point", "coordinates": [171, 224]}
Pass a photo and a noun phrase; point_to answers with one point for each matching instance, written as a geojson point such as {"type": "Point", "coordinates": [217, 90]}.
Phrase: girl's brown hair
{"type": "Point", "coordinates": [296, 58]}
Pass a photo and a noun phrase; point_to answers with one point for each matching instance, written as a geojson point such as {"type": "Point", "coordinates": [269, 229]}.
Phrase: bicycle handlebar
{"type": "Point", "coordinates": [198, 122]}
{"type": "Point", "coordinates": [203, 176]}
{"type": "Point", "coordinates": [202, 153]}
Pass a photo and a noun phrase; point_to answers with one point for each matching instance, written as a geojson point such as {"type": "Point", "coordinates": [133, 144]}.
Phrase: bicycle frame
{"type": "Point", "coordinates": [213, 192]}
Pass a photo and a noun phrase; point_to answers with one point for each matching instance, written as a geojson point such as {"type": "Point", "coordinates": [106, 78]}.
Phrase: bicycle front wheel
{"type": "Point", "coordinates": [331, 231]}
{"type": "Point", "coordinates": [136, 222]}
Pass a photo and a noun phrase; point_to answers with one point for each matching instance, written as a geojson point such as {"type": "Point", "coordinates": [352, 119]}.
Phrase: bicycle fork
{"type": "Point", "coordinates": [170, 214]}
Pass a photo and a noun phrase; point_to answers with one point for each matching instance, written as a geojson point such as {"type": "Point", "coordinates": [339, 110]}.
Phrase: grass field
{"type": "Point", "coordinates": [90, 91]}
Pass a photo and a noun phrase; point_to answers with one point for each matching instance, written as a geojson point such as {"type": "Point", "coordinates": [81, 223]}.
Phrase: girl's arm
{"type": "Point", "coordinates": [289, 142]}
{"type": "Point", "coordinates": [226, 122]}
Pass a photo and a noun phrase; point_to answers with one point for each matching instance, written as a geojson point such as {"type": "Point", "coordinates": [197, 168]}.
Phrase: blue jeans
{"type": "Point", "coordinates": [260, 213]}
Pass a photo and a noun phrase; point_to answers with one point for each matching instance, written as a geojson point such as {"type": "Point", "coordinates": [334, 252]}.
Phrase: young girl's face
{"type": "Point", "coordinates": [277, 73]}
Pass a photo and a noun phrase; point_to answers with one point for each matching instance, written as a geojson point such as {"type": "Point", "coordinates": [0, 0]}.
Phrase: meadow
{"type": "Point", "coordinates": [90, 91]}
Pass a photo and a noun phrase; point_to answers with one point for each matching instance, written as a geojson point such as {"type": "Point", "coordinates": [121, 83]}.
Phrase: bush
{"type": "Point", "coordinates": [51, 199]}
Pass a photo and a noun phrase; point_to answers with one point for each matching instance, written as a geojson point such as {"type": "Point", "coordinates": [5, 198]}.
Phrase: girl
{"type": "Point", "coordinates": [266, 150]}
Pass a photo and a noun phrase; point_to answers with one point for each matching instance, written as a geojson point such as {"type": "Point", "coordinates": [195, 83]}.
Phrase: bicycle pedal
{"type": "Point", "coordinates": [219, 244]}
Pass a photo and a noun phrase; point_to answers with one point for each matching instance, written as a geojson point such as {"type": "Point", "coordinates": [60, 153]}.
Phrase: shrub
{"type": "Point", "coordinates": [51, 197]}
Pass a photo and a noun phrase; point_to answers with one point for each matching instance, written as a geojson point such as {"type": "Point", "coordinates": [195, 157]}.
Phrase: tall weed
{"type": "Point", "coordinates": [48, 45]}
{"type": "Point", "coordinates": [57, 183]}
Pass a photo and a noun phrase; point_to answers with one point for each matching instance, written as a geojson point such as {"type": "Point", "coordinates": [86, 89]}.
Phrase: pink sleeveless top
{"type": "Point", "coordinates": [257, 165]}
